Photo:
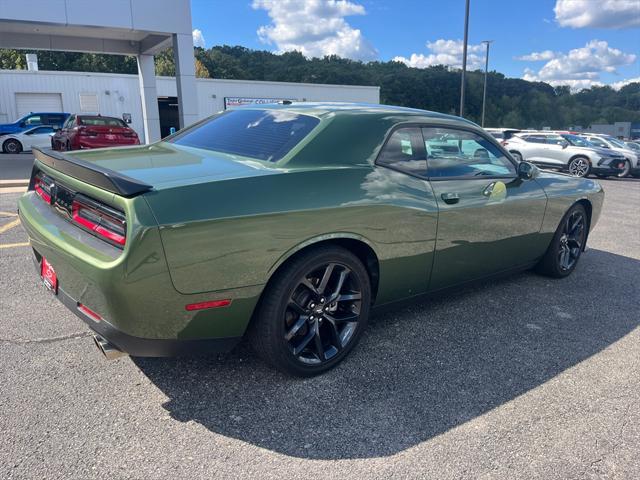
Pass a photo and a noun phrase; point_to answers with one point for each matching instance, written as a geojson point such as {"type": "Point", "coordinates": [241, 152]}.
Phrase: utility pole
{"type": "Point", "coordinates": [486, 70]}
{"type": "Point", "coordinates": [464, 58]}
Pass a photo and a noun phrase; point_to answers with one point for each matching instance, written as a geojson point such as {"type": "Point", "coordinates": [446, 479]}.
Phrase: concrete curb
{"type": "Point", "coordinates": [13, 183]}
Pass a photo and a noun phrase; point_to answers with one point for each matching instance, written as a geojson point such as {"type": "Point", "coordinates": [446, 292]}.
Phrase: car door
{"type": "Point", "coordinates": [535, 147]}
{"type": "Point", "coordinates": [40, 137]}
{"type": "Point", "coordinates": [554, 150]}
{"type": "Point", "coordinates": [489, 219]}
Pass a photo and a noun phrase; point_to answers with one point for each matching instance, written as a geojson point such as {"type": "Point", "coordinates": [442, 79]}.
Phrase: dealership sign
{"type": "Point", "coordinates": [231, 102]}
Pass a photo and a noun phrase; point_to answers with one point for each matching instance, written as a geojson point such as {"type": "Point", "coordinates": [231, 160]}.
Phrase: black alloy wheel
{"type": "Point", "coordinates": [322, 313]}
{"type": "Point", "coordinates": [567, 245]}
{"type": "Point", "coordinates": [313, 312]}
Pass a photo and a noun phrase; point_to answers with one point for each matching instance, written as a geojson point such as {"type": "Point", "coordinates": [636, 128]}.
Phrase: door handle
{"type": "Point", "coordinates": [450, 198]}
{"type": "Point", "coordinates": [489, 190]}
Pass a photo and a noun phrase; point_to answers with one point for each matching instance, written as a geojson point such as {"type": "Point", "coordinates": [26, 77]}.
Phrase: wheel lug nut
{"type": "Point", "coordinates": [312, 305]}
{"type": "Point", "coordinates": [312, 317]}
{"type": "Point", "coordinates": [322, 300]}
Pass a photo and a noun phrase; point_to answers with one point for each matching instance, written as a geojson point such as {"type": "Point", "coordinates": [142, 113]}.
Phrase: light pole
{"type": "Point", "coordinates": [464, 57]}
{"type": "Point", "coordinates": [486, 70]}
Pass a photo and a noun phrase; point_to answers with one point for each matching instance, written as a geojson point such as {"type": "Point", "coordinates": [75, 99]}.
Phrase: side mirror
{"type": "Point", "coordinates": [565, 145]}
{"type": "Point", "coordinates": [23, 124]}
{"type": "Point", "coordinates": [527, 170]}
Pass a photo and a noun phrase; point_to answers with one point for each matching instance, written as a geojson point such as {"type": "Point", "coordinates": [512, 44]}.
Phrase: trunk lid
{"type": "Point", "coordinates": [164, 165]}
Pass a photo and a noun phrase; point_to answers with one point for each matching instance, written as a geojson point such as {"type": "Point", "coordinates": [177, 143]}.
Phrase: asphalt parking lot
{"type": "Point", "coordinates": [525, 377]}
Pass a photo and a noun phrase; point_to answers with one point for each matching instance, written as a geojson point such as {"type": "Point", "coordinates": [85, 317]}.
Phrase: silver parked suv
{"type": "Point", "coordinates": [632, 165]}
{"type": "Point", "coordinates": [565, 152]}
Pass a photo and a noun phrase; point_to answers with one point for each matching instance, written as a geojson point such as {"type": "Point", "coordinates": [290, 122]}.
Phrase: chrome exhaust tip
{"type": "Point", "coordinates": [110, 351]}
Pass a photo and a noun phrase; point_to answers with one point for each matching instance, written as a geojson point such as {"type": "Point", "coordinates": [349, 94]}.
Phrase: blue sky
{"type": "Point", "coordinates": [574, 42]}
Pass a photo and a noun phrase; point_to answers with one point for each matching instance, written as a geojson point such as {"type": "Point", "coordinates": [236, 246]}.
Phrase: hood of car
{"type": "Point", "coordinates": [165, 165]}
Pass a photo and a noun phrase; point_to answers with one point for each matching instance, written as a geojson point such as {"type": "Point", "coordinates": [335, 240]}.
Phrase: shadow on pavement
{"type": "Point", "coordinates": [418, 372]}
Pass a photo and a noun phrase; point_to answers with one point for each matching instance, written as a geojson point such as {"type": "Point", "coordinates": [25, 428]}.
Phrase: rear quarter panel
{"type": "Point", "coordinates": [235, 233]}
{"type": "Point", "coordinates": [562, 192]}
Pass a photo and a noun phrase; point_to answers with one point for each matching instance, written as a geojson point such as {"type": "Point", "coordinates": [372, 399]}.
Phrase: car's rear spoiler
{"type": "Point", "coordinates": [95, 175]}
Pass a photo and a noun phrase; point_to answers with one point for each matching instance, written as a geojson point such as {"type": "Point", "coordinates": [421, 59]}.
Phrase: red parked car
{"type": "Point", "coordinates": [93, 131]}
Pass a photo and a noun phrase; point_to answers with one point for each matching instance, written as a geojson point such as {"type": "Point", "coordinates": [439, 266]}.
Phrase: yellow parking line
{"type": "Point", "coordinates": [8, 214]}
{"type": "Point", "coordinates": [10, 225]}
{"type": "Point", "coordinates": [12, 245]}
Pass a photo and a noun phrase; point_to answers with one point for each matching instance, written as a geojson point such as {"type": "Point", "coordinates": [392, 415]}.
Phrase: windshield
{"type": "Point", "coordinates": [616, 142]}
{"type": "Point", "coordinates": [577, 141]}
{"type": "Point", "coordinates": [101, 121]}
{"type": "Point", "coordinates": [261, 134]}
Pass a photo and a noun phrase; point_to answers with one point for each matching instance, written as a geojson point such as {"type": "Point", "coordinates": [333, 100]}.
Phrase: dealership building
{"type": "Point", "coordinates": [24, 91]}
{"type": "Point", "coordinates": [141, 28]}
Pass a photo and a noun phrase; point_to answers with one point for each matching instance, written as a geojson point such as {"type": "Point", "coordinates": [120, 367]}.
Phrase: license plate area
{"type": "Point", "coordinates": [49, 276]}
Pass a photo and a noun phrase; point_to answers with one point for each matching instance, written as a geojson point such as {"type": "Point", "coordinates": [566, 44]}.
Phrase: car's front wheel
{"type": "Point", "coordinates": [567, 244]}
{"type": "Point", "coordinates": [11, 146]}
{"type": "Point", "coordinates": [313, 312]}
{"type": "Point", "coordinates": [579, 167]}
{"type": "Point", "coordinates": [625, 170]}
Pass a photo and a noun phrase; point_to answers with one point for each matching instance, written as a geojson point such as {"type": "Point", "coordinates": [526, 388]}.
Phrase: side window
{"type": "Point", "coordinates": [33, 120]}
{"type": "Point", "coordinates": [534, 139]}
{"type": "Point", "coordinates": [41, 130]}
{"type": "Point", "coordinates": [69, 122]}
{"type": "Point", "coordinates": [403, 151]}
{"type": "Point", "coordinates": [55, 119]}
{"type": "Point", "coordinates": [598, 142]}
{"type": "Point", "coordinates": [458, 153]}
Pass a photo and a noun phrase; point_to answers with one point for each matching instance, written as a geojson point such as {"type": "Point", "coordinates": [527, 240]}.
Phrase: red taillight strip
{"type": "Point", "coordinates": [41, 193]}
{"type": "Point", "coordinates": [89, 313]}
{"type": "Point", "coordinates": [99, 229]}
{"type": "Point", "coordinates": [211, 304]}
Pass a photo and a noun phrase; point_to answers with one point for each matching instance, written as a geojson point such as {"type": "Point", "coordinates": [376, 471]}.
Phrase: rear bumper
{"type": "Point", "coordinates": [148, 347]}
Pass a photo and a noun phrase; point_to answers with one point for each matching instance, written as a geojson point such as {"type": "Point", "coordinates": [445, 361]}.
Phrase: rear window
{"type": "Point", "coordinates": [101, 121]}
{"type": "Point", "coordinates": [261, 134]}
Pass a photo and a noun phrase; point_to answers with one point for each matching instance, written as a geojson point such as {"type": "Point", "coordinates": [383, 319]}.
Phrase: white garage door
{"type": "Point", "coordinates": [38, 102]}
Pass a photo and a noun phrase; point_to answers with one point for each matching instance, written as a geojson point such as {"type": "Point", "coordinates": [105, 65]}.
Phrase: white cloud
{"type": "Point", "coordinates": [198, 38]}
{"type": "Point", "coordinates": [598, 13]}
{"type": "Point", "coordinates": [622, 83]}
{"type": "Point", "coordinates": [315, 27]}
{"type": "Point", "coordinates": [538, 56]}
{"type": "Point", "coordinates": [446, 52]}
{"type": "Point", "coordinates": [581, 67]}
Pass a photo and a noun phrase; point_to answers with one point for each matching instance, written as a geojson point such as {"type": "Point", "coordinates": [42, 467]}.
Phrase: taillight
{"type": "Point", "coordinates": [130, 134]}
{"type": "Point", "coordinates": [83, 132]}
{"type": "Point", "coordinates": [103, 221]}
{"type": "Point", "coordinates": [41, 185]}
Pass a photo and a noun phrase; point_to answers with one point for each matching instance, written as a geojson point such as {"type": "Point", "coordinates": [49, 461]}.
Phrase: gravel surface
{"type": "Point", "coordinates": [525, 377]}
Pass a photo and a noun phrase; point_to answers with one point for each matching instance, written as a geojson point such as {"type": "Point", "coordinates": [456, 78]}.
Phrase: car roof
{"type": "Point", "coordinates": [324, 109]}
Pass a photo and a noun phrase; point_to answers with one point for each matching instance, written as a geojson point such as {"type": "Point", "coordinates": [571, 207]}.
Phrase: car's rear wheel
{"type": "Point", "coordinates": [11, 146]}
{"type": "Point", "coordinates": [313, 312]}
{"type": "Point", "coordinates": [625, 171]}
{"type": "Point", "coordinates": [567, 245]}
{"type": "Point", "coordinates": [579, 167]}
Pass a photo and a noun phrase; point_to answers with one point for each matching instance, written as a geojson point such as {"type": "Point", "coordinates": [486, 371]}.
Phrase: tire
{"type": "Point", "coordinates": [567, 245]}
{"type": "Point", "coordinates": [579, 167]}
{"type": "Point", "coordinates": [298, 328]}
{"type": "Point", "coordinates": [517, 156]}
{"type": "Point", "coordinates": [626, 170]}
{"type": "Point", "coordinates": [12, 146]}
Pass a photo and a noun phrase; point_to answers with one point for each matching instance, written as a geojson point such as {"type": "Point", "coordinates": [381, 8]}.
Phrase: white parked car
{"type": "Point", "coordinates": [605, 141]}
{"type": "Point", "coordinates": [564, 152]}
{"type": "Point", "coordinates": [23, 142]}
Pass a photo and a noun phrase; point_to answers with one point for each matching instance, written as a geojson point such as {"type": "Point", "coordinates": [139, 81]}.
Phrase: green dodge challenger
{"type": "Point", "coordinates": [288, 224]}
